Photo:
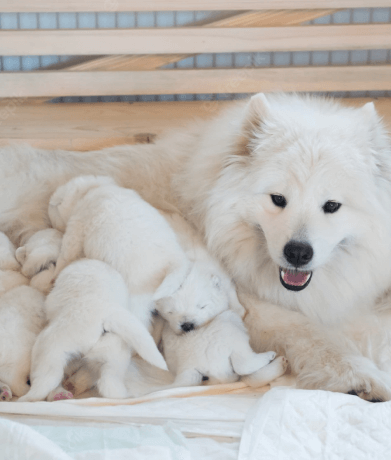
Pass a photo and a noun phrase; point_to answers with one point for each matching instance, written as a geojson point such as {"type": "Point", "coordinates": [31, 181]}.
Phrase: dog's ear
{"type": "Point", "coordinates": [172, 282]}
{"type": "Point", "coordinates": [216, 281]}
{"type": "Point", "coordinates": [255, 112]}
{"type": "Point", "coordinates": [20, 254]}
{"type": "Point", "coordinates": [379, 142]}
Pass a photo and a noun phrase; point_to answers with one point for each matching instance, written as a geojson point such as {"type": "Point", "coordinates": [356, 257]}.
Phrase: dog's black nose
{"type": "Point", "coordinates": [298, 254]}
{"type": "Point", "coordinates": [187, 327]}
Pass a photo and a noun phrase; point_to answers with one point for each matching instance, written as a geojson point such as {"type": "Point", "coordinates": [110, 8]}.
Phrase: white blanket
{"type": "Point", "coordinates": [283, 424]}
{"type": "Point", "coordinates": [289, 424]}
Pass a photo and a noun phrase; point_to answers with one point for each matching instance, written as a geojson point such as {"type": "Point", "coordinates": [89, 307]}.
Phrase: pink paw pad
{"type": "Point", "coordinates": [4, 395]}
{"type": "Point", "coordinates": [63, 395]}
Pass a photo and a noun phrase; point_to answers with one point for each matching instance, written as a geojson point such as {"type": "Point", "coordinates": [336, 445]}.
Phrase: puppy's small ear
{"type": "Point", "coordinates": [369, 110]}
{"type": "Point", "coordinates": [20, 254]}
{"type": "Point", "coordinates": [255, 112]}
{"type": "Point", "coordinates": [216, 281]}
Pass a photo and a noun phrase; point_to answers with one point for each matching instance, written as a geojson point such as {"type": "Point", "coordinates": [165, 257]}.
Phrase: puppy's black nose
{"type": "Point", "coordinates": [298, 254]}
{"type": "Point", "coordinates": [187, 327]}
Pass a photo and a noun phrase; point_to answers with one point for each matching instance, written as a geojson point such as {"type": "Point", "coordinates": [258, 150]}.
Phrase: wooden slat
{"type": "Point", "coordinates": [93, 126]}
{"type": "Point", "coordinates": [154, 61]}
{"type": "Point", "coordinates": [330, 78]}
{"type": "Point", "coordinates": [179, 5]}
{"type": "Point", "coordinates": [194, 40]}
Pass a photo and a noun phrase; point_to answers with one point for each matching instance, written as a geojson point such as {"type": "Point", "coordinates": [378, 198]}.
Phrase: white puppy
{"type": "Point", "coordinates": [22, 319]}
{"type": "Point", "coordinates": [20, 323]}
{"type": "Point", "coordinates": [106, 222]}
{"type": "Point", "coordinates": [38, 257]}
{"type": "Point", "coordinates": [88, 315]}
{"type": "Point", "coordinates": [203, 340]}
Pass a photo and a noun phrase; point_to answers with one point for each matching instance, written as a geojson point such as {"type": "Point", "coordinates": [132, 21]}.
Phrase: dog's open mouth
{"type": "Point", "coordinates": [295, 280]}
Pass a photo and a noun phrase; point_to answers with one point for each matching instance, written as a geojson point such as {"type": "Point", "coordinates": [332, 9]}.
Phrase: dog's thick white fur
{"type": "Point", "coordinates": [203, 339]}
{"type": "Point", "coordinates": [21, 321]}
{"type": "Point", "coordinates": [88, 315]}
{"type": "Point", "coordinates": [106, 222]}
{"type": "Point", "coordinates": [38, 257]}
{"type": "Point", "coordinates": [218, 352]}
{"type": "Point", "coordinates": [220, 174]}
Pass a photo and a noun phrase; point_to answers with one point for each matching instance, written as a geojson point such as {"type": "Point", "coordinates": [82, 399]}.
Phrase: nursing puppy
{"type": "Point", "coordinates": [22, 318]}
{"type": "Point", "coordinates": [291, 193]}
{"type": "Point", "coordinates": [38, 258]}
{"type": "Point", "coordinates": [106, 222]}
{"type": "Point", "coordinates": [88, 315]}
{"type": "Point", "coordinates": [203, 340]}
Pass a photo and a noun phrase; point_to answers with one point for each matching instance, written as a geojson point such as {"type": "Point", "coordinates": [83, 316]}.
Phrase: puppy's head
{"type": "Point", "coordinates": [64, 199]}
{"type": "Point", "coordinates": [7, 254]}
{"type": "Point", "coordinates": [197, 301]}
{"type": "Point", "coordinates": [40, 251]}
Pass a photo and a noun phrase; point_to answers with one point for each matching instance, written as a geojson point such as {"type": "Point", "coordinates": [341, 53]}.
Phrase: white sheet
{"type": "Point", "coordinates": [288, 424]}
{"type": "Point", "coordinates": [283, 424]}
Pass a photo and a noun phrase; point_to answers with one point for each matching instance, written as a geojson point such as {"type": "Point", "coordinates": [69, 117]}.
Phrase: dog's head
{"type": "Point", "coordinates": [64, 199]}
{"type": "Point", "coordinates": [197, 301]}
{"type": "Point", "coordinates": [39, 252]}
{"type": "Point", "coordinates": [311, 178]}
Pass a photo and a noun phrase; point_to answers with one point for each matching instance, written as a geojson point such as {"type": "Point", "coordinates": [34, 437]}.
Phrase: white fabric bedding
{"type": "Point", "coordinates": [282, 424]}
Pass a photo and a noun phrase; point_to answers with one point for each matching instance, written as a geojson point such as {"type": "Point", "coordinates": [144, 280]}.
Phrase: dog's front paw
{"type": "Point", "coordinates": [5, 392]}
{"type": "Point", "coordinates": [352, 375]}
{"type": "Point", "coordinates": [59, 394]}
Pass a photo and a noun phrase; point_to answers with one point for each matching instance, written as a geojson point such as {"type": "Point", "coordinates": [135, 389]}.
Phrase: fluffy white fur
{"type": "Point", "coordinates": [88, 315]}
{"type": "Point", "coordinates": [38, 257]}
{"type": "Point", "coordinates": [10, 275]}
{"type": "Point", "coordinates": [202, 338]}
{"type": "Point", "coordinates": [218, 352]}
{"type": "Point", "coordinates": [106, 222]}
{"type": "Point", "coordinates": [220, 174]}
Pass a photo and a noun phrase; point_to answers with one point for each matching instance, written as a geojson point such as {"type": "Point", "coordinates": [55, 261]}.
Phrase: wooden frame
{"type": "Point", "coordinates": [26, 6]}
{"type": "Point", "coordinates": [129, 61]}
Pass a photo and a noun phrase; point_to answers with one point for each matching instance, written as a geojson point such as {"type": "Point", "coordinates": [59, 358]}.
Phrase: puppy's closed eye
{"type": "Point", "coordinates": [201, 307]}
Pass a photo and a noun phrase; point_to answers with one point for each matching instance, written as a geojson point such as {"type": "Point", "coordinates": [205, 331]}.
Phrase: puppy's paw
{"type": "Point", "coordinates": [5, 392]}
{"type": "Point", "coordinates": [59, 394]}
{"type": "Point", "coordinates": [267, 374]}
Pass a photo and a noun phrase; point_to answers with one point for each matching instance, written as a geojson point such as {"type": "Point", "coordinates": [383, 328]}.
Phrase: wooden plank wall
{"type": "Point", "coordinates": [128, 61]}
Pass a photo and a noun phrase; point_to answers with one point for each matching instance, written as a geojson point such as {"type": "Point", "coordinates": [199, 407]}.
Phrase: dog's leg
{"type": "Point", "coordinates": [82, 380]}
{"type": "Point", "coordinates": [47, 369]}
{"type": "Point", "coordinates": [187, 378]}
{"type": "Point", "coordinates": [243, 359]}
{"type": "Point", "coordinates": [114, 356]}
{"type": "Point", "coordinates": [71, 246]}
{"type": "Point", "coordinates": [315, 356]}
{"type": "Point", "coordinates": [58, 394]}
{"type": "Point", "coordinates": [267, 374]}
{"type": "Point", "coordinates": [5, 392]}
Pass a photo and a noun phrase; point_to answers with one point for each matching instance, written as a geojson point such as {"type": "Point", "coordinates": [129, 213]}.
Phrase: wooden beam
{"type": "Point", "coordinates": [154, 61]}
{"type": "Point", "coordinates": [94, 126]}
{"type": "Point", "coordinates": [194, 40]}
{"type": "Point", "coordinates": [178, 81]}
{"type": "Point", "coordinates": [25, 6]}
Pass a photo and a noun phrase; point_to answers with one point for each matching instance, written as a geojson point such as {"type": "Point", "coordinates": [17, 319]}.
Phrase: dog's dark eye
{"type": "Point", "coordinates": [278, 200]}
{"type": "Point", "coordinates": [331, 206]}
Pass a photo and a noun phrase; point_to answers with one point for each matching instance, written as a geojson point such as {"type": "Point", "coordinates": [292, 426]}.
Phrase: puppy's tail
{"type": "Point", "coordinates": [135, 334]}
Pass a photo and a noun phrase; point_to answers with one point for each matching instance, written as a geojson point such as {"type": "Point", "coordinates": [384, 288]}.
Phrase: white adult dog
{"type": "Point", "coordinates": [274, 184]}
{"type": "Point", "coordinates": [22, 318]}
{"type": "Point", "coordinates": [88, 315]}
{"type": "Point", "coordinates": [38, 257]}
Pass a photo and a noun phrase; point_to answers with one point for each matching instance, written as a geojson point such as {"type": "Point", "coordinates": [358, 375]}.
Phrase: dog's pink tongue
{"type": "Point", "coordinates": [296, 278]}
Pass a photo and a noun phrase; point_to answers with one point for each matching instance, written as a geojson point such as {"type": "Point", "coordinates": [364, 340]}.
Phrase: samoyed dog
{"type": "Point", "coordinates": [88, 315]}
{"type": "Point", "coordinates": [291, 193]}
{"type": "Point", "coordinates": [22, 318]}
